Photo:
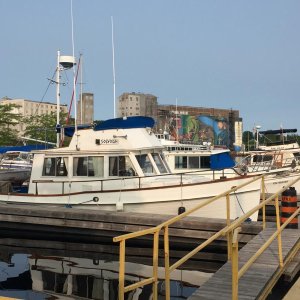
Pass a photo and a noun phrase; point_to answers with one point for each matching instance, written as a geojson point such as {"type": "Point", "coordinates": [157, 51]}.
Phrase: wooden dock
{"type": "Point", "coordinates": [99, 223]}
{"type": "Point", "coordinates": [91, 226]}
{"type": "Point", "coordinates": [258, 281]}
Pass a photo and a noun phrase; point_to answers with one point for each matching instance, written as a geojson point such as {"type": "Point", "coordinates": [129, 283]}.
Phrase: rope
{"type": "Point", "coordinates": [248, 219]}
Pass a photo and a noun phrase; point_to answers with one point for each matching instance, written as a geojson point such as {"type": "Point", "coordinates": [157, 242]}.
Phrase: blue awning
{"type": "Point", "coordinates": [221, 161]}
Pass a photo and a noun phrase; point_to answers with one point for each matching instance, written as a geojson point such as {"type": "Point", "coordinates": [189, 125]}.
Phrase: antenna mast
{"type": "Point", "coordinates": [58, 100]}
{"type": "Point", "coordinates": [81, 90]}
{"type": "Point", "coordinates": [113, 58]}
{"type": "Point", "coordinates": [74, 74]}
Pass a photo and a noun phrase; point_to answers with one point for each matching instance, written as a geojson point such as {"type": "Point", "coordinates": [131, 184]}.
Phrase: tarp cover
{"type": "Point", "coordinates": [221, 161]}
{"type": "Point", "coordinates": [125, 123]}
{"type": "Point", "coordinates": [279, 131]}
{"type": "Point", "coordinates": [69, 131]}
{"type": "Point", "coordinates": [26, 148]}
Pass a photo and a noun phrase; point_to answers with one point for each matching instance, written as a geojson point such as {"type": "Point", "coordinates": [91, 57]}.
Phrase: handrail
{"type": "Point", "coordinates": [231, 230]}
{"type": "Point", "coordinates": [241, 219]}
{"type": "Point", "coordinates": [165, 225]}
{"type": "Point", "coordinates": [237, 274]}
{"type": "Point", "coordinates": [140, 180]}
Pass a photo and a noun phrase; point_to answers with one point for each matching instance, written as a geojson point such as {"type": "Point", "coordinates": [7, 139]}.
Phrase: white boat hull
{"type": "Point", "coordinates": [156, 198]}
{"type": "Point", "coordinates": [276, 182]}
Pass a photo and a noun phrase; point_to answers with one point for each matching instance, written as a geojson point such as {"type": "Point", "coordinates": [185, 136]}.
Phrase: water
{"type": "Point", "coordinates": [51, 269]}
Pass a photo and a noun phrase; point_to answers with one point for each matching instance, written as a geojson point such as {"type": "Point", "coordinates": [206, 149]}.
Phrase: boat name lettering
{"type": "Point", "coordinates": [108, 141]}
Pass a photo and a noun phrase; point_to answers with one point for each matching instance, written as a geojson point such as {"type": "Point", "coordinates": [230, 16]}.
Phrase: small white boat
{"type": "Point", "coordinates": [119, 165]}
{"type": "Point", "coordinates": [15, 167]}
{"type": "Point", "coordinates": [16, 177]}
{"type": "Point", "coordinates": [16, 160]}
{"type": "Point", "coordinates": [280, 159]}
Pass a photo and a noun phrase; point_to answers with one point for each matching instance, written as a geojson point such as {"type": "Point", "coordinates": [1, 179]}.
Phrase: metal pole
{"type": "Point", "coordinates": [57, 100]}
{"type": "Point", "coordinates": [122, 270]}
{"type": "Point", "coordinates": [155, 263]}
{"type": "Point", "coordinates": [279, 235]}
{"type": "Point", "coordinates": [229, 234]}
{"type": "Point", "coordinates": [235, 264]}
{"type": "Point", "coordinates": [167, 262]}
{"type": "Point", "coordinates": [81, 113]}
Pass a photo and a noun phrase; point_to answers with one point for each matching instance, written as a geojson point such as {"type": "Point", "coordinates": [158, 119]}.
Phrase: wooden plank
{"type": "Point", "coordinates": [116, 222]}
{"type": "Point", "coordinates": [97, 215]}
{"type": "Point", "coordinates": [292, 269]}
{"type": "Point", "coordinates": [259, 275]}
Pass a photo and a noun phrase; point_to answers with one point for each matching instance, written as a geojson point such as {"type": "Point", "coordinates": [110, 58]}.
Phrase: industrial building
{"type": "Point", "coordinates": [85, 108]}
{"type": "Point", "coordinates": [221, 127]}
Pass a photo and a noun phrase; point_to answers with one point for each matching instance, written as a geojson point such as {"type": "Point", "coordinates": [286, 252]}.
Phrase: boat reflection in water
{"type": "Point", "coordinates": [58, 270]}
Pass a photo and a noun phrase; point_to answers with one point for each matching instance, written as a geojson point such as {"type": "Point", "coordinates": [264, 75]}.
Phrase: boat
{"type": "Point", "coordinates": [16, 160]}
{"type": "Point", "coordinates": [279, 159]}
{"type": "Point", "coordinates": [188, 157]}
{"type": "Point", "coordinates": [281, 162]}
{"type": "Point", "coordinates": [119, 166]}
{"type": "Point", "coordinates": [15, 169]}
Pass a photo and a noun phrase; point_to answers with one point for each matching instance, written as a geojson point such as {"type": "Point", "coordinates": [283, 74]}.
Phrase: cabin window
{"type": "Point", "coordinates": [55, 166]}
{"type": "Point", "coordinates": [159, 163]}
{"type": "Point", "coordinates": [121, 166]}
{"type": "Point", "coordinates": [194, 162]}
{"type": "Point", "coordinates": [205, 162]}
{"type": "Point", "coordinates": [297, 155]}
{"type": "Point", "coordinates": [262, 158]}
{"type": "Point", "coordinates": [88, 166]}
{"type": "Point", "coordinates": [180, 162]}
{"type": "Point", "coordinates": [145, 164]}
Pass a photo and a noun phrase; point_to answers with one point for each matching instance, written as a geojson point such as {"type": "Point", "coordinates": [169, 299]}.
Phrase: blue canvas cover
{"type": "Point", "coordinates": [221, 161]}
{"type": "Point", "coordinates": [26, 148]}
{"type": "Point", "coordinates": [69, 131]}
{"type": "Point", "coordinates": [125, 123]}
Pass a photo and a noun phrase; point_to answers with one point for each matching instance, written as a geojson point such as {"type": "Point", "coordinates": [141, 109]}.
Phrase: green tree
{"type": "Point", "coordinates": [9, 117]}
{"type": "Point", "coordinates": [248, 140]}
{"type": "Point", "coordinates": [43, 127]}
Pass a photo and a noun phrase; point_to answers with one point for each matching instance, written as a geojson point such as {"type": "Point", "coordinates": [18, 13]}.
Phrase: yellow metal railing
{"type": "Point", "coordinates": [165, 227]}
{"type": "Point", "coordinates": [231, 231]}
{"type": "Point", "coordinates": [234, 227]}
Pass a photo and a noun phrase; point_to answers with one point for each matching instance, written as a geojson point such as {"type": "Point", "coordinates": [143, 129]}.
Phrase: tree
{"type": "Point", "coordinates": [9, 117]}
{"type": "Point", "coordinates": [248, 140]}
{"type": "Point", "coordinates": [43, 127]}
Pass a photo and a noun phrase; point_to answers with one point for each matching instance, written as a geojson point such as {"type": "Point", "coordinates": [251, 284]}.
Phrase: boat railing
{"type": "Point", "coordinates": [261, 164]}
{"type": "Point", "coordinates": [231, 231]}
{"type": "Point", "coordinates": [136, 182]}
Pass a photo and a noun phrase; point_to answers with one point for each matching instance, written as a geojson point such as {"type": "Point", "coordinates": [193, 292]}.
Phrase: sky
{"type": "Point", "coordinates": [233, 54]}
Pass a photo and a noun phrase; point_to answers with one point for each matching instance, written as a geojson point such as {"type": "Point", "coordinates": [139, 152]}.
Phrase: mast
{"type": "Point", "coordinates": [58, 100]}
{"type": "Point", "coordinates": [113, 61]}
{"type": "Point", "coordinates": [74, 74]}
{"type": "Point", "coordinates": [81, 90]}
{"type": "Point", "coordinates": [176, 122]}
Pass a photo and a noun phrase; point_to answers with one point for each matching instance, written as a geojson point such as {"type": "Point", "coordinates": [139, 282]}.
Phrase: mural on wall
{"type": "Point", "coordinates": [197, 128]}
